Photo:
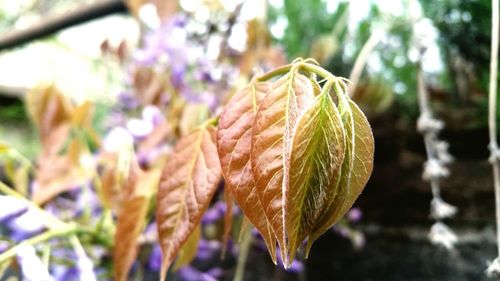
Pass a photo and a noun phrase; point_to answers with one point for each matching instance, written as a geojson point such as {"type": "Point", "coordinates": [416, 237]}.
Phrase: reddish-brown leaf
{"type": "Point", "coordinates": [272, 134]}
{"type": "Point", "coordinates": [138, 189]}
{"type": "Point", "coordinates": [234, 138]}
{"type": "Point", "coordinates": [188, 183]}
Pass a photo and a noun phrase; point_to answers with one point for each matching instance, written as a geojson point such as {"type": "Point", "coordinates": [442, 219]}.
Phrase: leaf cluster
{"type": "Point", "coordinates": [295, 152]}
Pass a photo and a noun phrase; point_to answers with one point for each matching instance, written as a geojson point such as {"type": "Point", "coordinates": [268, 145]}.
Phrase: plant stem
{"type": "Point", "coordinates": [278, 71]}
{"type": "Point", "coordinates": [243, 255]}
{"type": "Point", "coordinates": [317, 70]}
{"type": "Point", "coordinates": [49, 234]}
{"type": "Point", "coordinates": [9, 191]}
{"type": "Point", "coordinates": [492, 105]}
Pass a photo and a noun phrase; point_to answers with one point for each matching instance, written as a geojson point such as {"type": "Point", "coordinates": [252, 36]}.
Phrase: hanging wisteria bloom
{"type": "Point", "coordinates": [442, 210]}
{"type": "Point", "coordinates": [32, 267]}
{"type": "Point", "coordinates": [441, 235]}
{"type": "Point", "coordinates": [442, 152]}
{"type": "Point", "coordinates": [434, 169]}
{"type": "Point", "coordinates": [427, 123]}
{"type": "Point", "coordinates": [493, 270]}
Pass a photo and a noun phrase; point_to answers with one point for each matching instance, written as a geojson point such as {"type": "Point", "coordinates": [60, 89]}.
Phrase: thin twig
{"type": "Point", "coordinates": [363, 56]}
{"type": "Point", "coordinates": [243, 256]}
{"type": "Point", "coordinates": [492, 106]}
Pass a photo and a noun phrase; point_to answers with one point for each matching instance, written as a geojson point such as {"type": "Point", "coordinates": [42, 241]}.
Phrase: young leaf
{"type": "Point", "coordinates": [363, 154]}
{"type": "Point", "coordinates": [234, 138]}
{"type": "Point", "coordinates": [188, 183]}
{"type": "Point", "coordinates": [317, 154]}
{"type": "Point", "coordinates": [272, 134]}
{"type": "Point", "coordinates": [355, 171]}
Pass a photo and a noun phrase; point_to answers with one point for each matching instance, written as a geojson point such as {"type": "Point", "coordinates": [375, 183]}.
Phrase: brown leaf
{"type": "Point", "coordinates": [57, 173]}
{"type": "Point", "coordinates": [131, 217]}
{"type": "Point", "coordinates": [188, 183]}
{"type": "Point", "coordinates": [149, 86]}
{"type": "Point", "coordinates": [129, 226]}
{"type": "Point", "coordinates": [272, 134]}
{"type": "Point", "coordinates": [234, 138]}
{"type": "Point", "coordinates": [48, 109]}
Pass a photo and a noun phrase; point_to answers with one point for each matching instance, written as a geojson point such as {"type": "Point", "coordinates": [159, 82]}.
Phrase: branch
{"type": "Point", "coordinates": [56, 23]}
{"type": "Point", "coordinates": [494, 268]}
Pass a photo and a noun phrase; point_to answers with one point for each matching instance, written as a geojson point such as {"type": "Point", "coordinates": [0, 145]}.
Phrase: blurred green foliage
{"type": "Point", "coordinates": [459, 90]}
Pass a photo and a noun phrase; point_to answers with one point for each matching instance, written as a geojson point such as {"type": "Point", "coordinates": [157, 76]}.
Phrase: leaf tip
{"type": "Point", "coordinates": [164, 268]}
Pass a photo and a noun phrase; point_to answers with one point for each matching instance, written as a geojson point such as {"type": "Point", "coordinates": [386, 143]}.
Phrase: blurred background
{"type": "Point", "coordinates": [122, 56]}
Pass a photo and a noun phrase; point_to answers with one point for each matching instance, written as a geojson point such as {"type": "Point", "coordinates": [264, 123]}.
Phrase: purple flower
{"type": "Point", "coordinates": [63, 272]}
{"type": "Point", "coordinates": [128, 101]}
{"type": "Point", "coordinates": [154, 262]}
{"type": "Point", "coordinates": [355, 215]}
{"type": "Point", "coordinates": [11, 206]}
{"type": "Point", "coordinates": [214, 213]}
{"type": "Point", "coordinates": [189, 273]}
{"type": "Point", "coordinates": [85, 268]}
{"type": "Point", "coordinates": [216, 272]}
{"type": "Point", "coordinates": [167, 44]}
{"type": "Point", "coordinates": [26, 225]}
{"type": "Point", "coordinates": [117, 138]}
{"type": "Point", "coordinates": [32, 267]}
{"type": "Point", "coordinates": [139, 128]}
{"type": "Point", "coordinates": [207, 249]}
{"type": "Point", "coordinates": [4, 245]}
{"type": "Point", "coordinates": [153, 115]}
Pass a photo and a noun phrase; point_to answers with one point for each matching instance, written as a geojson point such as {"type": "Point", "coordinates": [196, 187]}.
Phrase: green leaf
{"type": "Point", "coordinates": [189, 180]}
{"type": "Point", "coordinates": [317, 155]}
{"type": "Point", "coordinates": [356, 168]}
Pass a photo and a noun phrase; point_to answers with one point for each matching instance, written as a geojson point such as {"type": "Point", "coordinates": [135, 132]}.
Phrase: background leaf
{"type": "Point", "coordinates": [131, 217]}
{"type": "Point", "coordinates": [188, 183]}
